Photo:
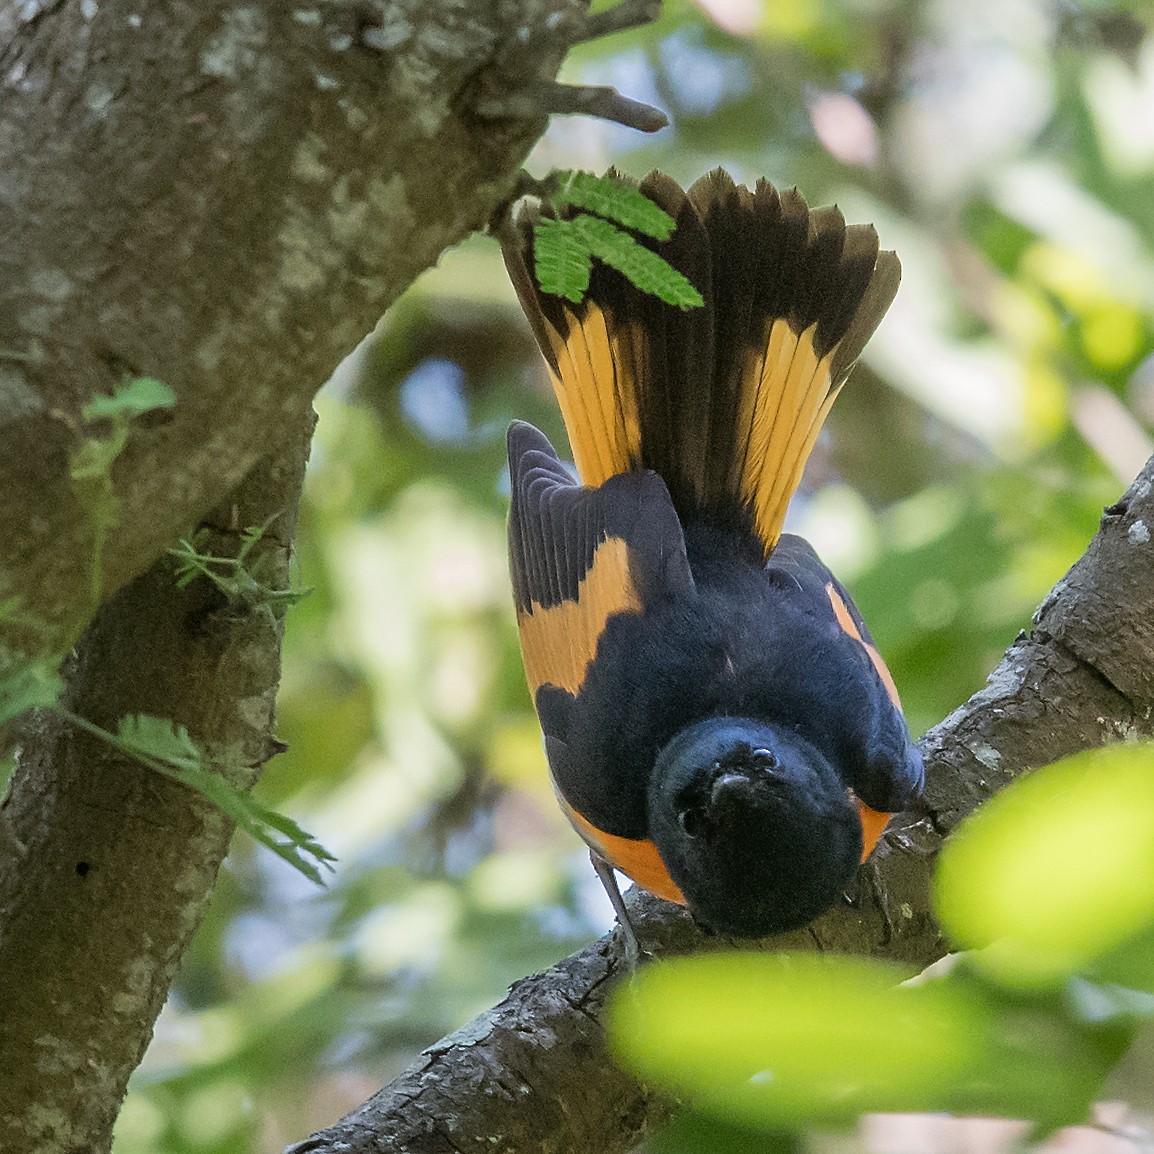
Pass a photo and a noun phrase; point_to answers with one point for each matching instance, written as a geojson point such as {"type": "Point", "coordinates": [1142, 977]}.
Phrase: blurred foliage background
{"type": "Point", "coordinates": [1005, 148]}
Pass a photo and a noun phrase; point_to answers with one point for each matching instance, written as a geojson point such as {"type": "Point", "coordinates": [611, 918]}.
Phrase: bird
{"type": "Point", "coordinates": [718, 723]}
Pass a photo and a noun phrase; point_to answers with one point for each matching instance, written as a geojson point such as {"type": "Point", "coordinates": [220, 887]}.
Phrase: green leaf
{"type": "Point", "coordinates": [168, 749]}
{"type": "Point", "coordinates": [787, 1041]}
{"type": "Point", "coordinates": [1056, 870]}
{"type": "Point", "coordinates": [616, 199]}
{"type": "Point", "coordinates": [648, 271]}
{"type": "Point", "coordinates": [299, 848]}
{"type": "Point", "coordinates": [562, 259]}
{"type": "Point", "coordinates": [157, 737]}
{"type": "Point", "coordinates": [90, 466]}
{"type": "Point", "coordinates": [92, 461]}
{"type": "Point", "coordinates": [241, 582]}
{"type": "Point", "coordinates": [563, 250]}
{"type": "Point", "coordinates": [132, 399]}
{"type": "Point", "coordinates": [695, 1132]}
{"type": "Point", "coordinates": [1130, 964]}
{"type": "Point", "coordinates": [1107, 1004]}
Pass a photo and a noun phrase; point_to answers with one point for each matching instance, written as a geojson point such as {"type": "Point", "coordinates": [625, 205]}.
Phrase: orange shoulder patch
{"type": "Point", "coordinates": [846, 621]}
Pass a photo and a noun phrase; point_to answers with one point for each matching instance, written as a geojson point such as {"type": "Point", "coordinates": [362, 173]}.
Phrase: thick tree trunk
{"type": "Point", "coordinates": [109, 865]}
{"type": "Point", "coordinates": [534, 1074]}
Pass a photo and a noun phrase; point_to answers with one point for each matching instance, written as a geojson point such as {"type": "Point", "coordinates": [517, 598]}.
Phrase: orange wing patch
{"type": "Point", "coordinates": [846, 621]}
{"type": "Point", "coordinates": [636, 857]}
{"type": "Point", "coordinates": [560, 642]}
{"type": "Point", "coordinates": [789, 393]}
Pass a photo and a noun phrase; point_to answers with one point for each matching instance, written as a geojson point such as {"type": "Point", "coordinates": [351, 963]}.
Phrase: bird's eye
{"type": "Point", "coordinates": [763, 759]}
{"type": "Point", "coordinates": [692, 821]}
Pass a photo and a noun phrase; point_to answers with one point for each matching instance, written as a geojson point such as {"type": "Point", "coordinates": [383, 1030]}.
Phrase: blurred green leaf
{"type": "Point", "coordinates": [696, 1132]}
{"type": "Point", "coordinates": [797, 1040]}
{"type": "Point", "coordinates": [1107, 1004]}
{"type": "Point", "coordinates": [1130, 964]}
{"type": "Point", "coordinates": [27, 683]}
{"type": "Point", "coordinates": [90, 463]}
{"type": "Point", "coordinates": [1055, 870]}
{"type": "Point", "coordinates": [134, 398]}
{"type": "Point", "coordinates": [93, 460]}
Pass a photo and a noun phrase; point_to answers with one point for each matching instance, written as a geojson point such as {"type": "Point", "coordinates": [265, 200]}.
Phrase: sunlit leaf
{"type": "Point", "coordinates": [563, 250]}
{"type": "Point", "coordinates": [1057, 869]}
{"type": "Point", "coordinates": [648, 271]}
{"type": "Point", "coordinates": [787, 1040]}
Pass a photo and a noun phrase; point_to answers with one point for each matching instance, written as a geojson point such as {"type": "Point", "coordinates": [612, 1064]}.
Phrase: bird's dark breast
{"type": "Point", "coordinates": [749, 642]}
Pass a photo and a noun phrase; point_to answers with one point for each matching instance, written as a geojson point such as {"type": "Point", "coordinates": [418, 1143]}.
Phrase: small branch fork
{"type": "Point", "coordinates": [629, 14]}
{"type": "Point", "coordinates": [542, 98]}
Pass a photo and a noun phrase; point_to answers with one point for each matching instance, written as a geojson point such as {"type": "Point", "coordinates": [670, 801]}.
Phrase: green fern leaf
{"type": "Point", "coordinates": [562, 259]}
{"type": "Point", "coordinates": [619, 201]}
{"type": "Point", "coordinates": [644, 268]}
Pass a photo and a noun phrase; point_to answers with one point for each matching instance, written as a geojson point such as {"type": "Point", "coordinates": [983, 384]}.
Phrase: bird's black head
{"type": "Point", "coordinates": [754, 825]}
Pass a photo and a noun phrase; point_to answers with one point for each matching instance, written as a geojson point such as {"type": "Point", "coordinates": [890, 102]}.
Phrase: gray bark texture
{"type": "Point", "coordinates": [534, 1075]}
{"type": "Point", "coordinates": [107, 865]}
{"type": "Point", "coordinates": [225, 196]}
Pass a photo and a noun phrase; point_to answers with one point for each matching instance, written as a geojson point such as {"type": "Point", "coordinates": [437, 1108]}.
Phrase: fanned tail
{"type": "Point", "coordinates": [726, 401]}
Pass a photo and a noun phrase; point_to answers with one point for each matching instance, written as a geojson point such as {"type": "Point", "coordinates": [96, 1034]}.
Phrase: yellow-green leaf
{"type": "Point", "coordinates": [787, 1040]}
{"type": "Point", "coordinates": [1057, 869]}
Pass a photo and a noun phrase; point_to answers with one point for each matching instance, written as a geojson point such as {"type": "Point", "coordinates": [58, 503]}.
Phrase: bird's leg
{"type": "Point", "coordinates": [609, 881]}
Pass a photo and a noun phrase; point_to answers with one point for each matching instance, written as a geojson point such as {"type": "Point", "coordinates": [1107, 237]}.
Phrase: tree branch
{"type": "Point", "coordinates": [534, 1075]}
{"type": "Point", "coordinates": [605, 103]}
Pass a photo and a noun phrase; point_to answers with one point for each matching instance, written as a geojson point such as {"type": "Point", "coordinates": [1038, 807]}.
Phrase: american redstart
{"type": "Point", "coordinates": [718, 722]}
